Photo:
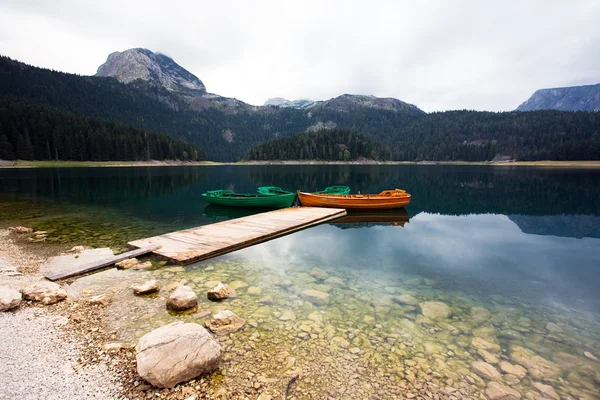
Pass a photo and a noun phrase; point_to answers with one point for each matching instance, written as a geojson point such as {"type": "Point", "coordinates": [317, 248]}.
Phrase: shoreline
{"type": "Point", "coordinates": [18, 164]}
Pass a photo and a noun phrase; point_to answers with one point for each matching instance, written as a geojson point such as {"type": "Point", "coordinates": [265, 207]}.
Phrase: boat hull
{"type": "Point", "coordinates": [259, 201]}
{"type": "Point", "coordinates": [354, 202]}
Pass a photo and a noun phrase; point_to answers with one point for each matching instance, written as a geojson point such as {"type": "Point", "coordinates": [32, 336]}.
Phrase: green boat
{"type": "Point", "coordinates": [334, 190]}
{"type": "Point", "coordinates": [266, 197]}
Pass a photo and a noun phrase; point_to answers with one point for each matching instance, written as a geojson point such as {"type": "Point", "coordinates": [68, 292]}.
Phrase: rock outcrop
{"type": "Point", "coordinates": [9, 298]}
{"type": "Point", "coordinates": [176, 353]}
{"type": "Point", "coordinates": [182, 298]}
{"type": "Point", "coordinates": [45, 292]}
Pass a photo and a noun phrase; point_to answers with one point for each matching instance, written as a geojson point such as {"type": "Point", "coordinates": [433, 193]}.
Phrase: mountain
{"type": "Point", "coordinates": [346, 103]}
{"type": "Point", "coordinates": [573, 98]}
{"type": "Point", "coordinates": [133, 64]}
{"type": "Point", "coordinates": [226, 128]}
{"type": "Point", "coordinates": [155, 70]}
{"type": "Point", "coordinates": [576, 226]}
{"type": "Point", "coordinates": [284, 103]}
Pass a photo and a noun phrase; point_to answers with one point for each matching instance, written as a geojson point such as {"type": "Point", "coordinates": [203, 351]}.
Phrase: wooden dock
{"type": "Point", "coordinates": [204, 242]}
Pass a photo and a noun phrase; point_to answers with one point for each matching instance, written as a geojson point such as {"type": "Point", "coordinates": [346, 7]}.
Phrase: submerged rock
{"type": "Point", "coordinates": [497, 391]}
{"type": "Point", "coordinates": [220, 292]}
{"type": "Point", "coordinates": [225, 322]}
{"type": "Point", "coordinates": [479, 343]}
{"type": "Point", "coordinates": [334, 281]}
{"type": "Point", "coordinates": [176, 353]}
{"type": "Point", "coordinates": [318, 274]}
{"type": "Point", "coordinates": [9, 298]}
{"type": "Point", "coordinates": [406, 299]}
{"type": "Point", "coordinates": [485, 370]}
{"type": "Point", "coordinates": [479, 315]}
{"type": "Point", "coordinates": [515, 370]}
{"type": "Point", "coordinates": [101, 299]}
{"type": "Point", "coordinates": [435, 310]}
{"type": "Point", "coordinates": [315, 297]}
{"type": "Point", "coordinates": [146, 287]}
{"type": "Point", "coordinates": [182, 298]}
{"type": "Point", "coordinates": [546, 390]}
{"type": "Point", "coordinates": [254, 291]}
{"type": "Point", "coordinates": [488, 357]}
{"type": "Point", "coordinates": [45, 292]}
{"type": "Point", "coordinates": [537, 366]}
{"type": "Point", "coordinates": [590, 355]}
{"type": "Point", "coordinates": [238, 285]}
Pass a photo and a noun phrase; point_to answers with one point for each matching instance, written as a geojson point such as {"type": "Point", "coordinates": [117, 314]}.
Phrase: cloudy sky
{"type": "Point", "coordinates": [438, 55]}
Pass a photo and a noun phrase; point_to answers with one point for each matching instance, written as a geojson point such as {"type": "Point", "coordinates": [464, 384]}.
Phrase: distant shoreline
{"type": "Point", "coordinates": [171, 163]}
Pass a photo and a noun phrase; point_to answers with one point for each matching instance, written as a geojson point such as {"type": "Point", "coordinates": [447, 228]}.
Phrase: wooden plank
{"type": "Point", "coordinates": [204, 242]}
{"type": "Point", "coordinates": [105, 262]}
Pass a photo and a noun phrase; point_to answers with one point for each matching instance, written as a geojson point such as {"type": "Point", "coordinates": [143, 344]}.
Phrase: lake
{"type": "Point", "coordinates": [495, 264]}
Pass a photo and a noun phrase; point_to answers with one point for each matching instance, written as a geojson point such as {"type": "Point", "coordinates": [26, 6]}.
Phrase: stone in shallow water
{"type": "Point", "coordinates": [176, 353]}
{"type": "Point", "coordinates": [225, 322]}
{"type": "Point", "coordinates": [488, 357]}
{"type": "Point", "coordinates": [238, 285]}
{"type": "Point", "coordinates": [510, 334]}
{"type": "Point", "coordinates": [183, 298]}
{"type": "Point", "coordinates": [405, 299]}
{"type": "Point", "coordinates": [547, 390]}
{"type": "Point", "coordinates": [590, 355]}
{"type": "Point", "coordinates": [318, 274]}
{"type": "Point", "coordinates": [146, 287]}
{"type": "Point", "coordinates": [340, 342]}
{"type": "Point", "coordinates": [479, 343]}
{"type": "Point", "coordinates": [479, 315]}
{"type": "Point", "coordinates": [485, 370]}
{"type": "Point", "coordinates": [552, 327]}
{"type": "Point", "coordinates": [220, 292]}
{"type": "Point", "coordinates": [45, 292]}
{"type": "Point", "coordinates": [334, 281]}
{"type": "Point", "coordinates": [254, 291]}
{"type": "Point", "coordinates": [128, 263]}
{"type": "Point", "coordinates": [435, 309]}
{"type": "Point", "coordinates": [497, 391]}
{"type": "Point", "coordinates": [315, 297]}
{"type": "Point", "coordinates": [516, 370]}
{"type": "Point", "coordinates": [537, 366]}
{"type": "Point", "coordinates": [287, 315]}
{"type": "Point", "coordinates": [9, 298]}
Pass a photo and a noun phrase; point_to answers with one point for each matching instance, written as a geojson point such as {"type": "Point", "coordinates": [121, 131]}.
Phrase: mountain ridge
{"type": "Point", "coordinates": [569, 98]}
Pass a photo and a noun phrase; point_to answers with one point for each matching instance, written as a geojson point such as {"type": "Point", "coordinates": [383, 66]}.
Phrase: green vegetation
{"type": "Point", "coordinates": [409, 135]}
{"type": "Point", "coordinates": [39, 132]}
{"type": "Point", "coordinates": [334, 145]}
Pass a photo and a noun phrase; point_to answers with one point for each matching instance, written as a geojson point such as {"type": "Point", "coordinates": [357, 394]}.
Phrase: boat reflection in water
{"type": "Point", "coordinates": [360, 219]}
{"type": "Point", "coordinates": [216, 212]}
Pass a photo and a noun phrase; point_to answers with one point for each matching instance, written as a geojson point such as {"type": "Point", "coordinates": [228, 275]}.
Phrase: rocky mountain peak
{"type": "Point", "coordinates": [158, 69]}
{"type": "Point", "coordinates": [572, 98]}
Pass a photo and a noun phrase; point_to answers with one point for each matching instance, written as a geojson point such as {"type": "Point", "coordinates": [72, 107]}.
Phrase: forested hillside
{"type": "Point", "coordinates": [38, 132]}
{"type": "Point", "coordinates": [334, 145]}
{"type": "Point", "coordinates": [409, 134]}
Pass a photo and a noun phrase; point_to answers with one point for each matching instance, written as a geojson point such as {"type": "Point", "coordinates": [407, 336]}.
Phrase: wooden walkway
{"type": "Point", "coordinates": [204, 242]}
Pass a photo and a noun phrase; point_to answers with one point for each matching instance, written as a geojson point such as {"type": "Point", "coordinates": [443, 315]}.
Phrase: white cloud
{"type": "Point", "coordinates": [436, 54]}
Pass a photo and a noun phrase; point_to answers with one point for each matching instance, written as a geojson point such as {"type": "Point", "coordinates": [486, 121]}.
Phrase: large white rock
{"type": "Point", "coordinates": [176, 353]}
{"type": "Point", "coordinates": [9, 298]}
{"type": "Point", "coordinates": [45, 292]}
{"type": "Point", "coordinates": [182, 298]}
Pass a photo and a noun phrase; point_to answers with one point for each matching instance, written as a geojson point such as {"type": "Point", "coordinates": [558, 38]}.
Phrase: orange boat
{"type": "Point", "coordinates": [385, 200]}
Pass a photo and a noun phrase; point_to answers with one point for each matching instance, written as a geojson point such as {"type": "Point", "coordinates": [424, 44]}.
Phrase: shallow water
{"type": "Point", "coordinates": [513, 252]}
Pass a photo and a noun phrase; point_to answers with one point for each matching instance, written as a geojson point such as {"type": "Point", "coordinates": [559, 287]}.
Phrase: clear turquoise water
{"type": "Point", "coordinates": [524, 243]}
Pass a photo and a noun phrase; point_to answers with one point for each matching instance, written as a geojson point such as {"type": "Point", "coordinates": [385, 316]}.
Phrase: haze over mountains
{"type": "Point", "coordinates": [150, 91]}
